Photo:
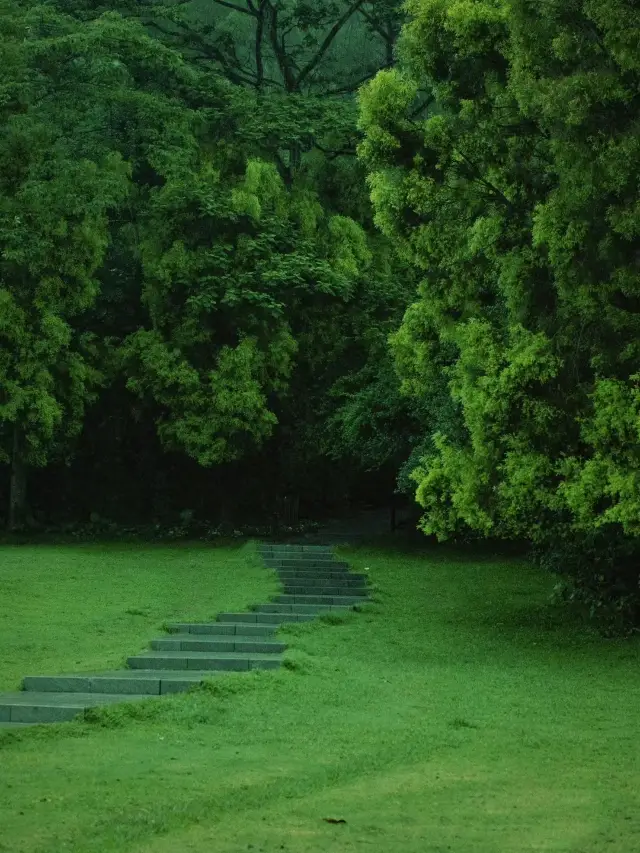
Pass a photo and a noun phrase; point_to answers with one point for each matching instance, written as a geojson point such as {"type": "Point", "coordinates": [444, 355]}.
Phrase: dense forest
{"type": "Point", "coordinates": [264, 253]}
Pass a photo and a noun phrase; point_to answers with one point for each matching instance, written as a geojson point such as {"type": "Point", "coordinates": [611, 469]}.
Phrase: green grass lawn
{"type": "Point", "coordinates": [87, 608]}
{"type": "Point", "coordinates": [462, 713]}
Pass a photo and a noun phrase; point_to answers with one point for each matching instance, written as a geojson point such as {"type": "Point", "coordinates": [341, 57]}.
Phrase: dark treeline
{"type": "Point", "coordinates": [260, 250]}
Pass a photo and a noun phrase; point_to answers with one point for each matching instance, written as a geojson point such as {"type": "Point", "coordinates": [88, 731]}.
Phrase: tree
{"type": "Point", "coordinates": [300, 88]}
{"type": "Point", "coordinates": [515, 197]}
{"type": "Point", "coordinates": [302, 61]}
{"type": "Point", "coordinates": [228, 294]}
{"type": "Point", "coordinates": [287, 45]}
{"type": "Point", "coordinates": [54, 210]}
{"type": "Point", "coordinates": [229, 263]}
{"type": "Point", "coordinates": [96, 114]}
{"type": "Point", "coordinates": [371, 422]}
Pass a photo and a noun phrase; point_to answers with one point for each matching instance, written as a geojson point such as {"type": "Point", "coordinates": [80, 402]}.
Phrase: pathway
{"type": "Point", "coordinates": [313, 582]}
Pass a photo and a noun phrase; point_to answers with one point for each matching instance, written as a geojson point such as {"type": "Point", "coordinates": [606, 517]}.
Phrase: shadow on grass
{"type": "Point", "coordinates": [399, 544]}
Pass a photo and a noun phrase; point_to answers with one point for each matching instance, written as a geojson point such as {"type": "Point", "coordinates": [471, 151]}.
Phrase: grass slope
{"type": "Point", "coordinates": [86, 608]}
{"type": "Point", "coordinates": [463, 713]}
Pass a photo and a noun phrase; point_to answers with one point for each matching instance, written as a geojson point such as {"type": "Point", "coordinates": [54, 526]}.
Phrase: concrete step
{"type": "Point", "coordinates": [265, 618]}
{"type": "Point", "coordinates": [201, 661]}
{"type": "Point", "coordinates": [334, 579]}
{"type": "Point", "coordinates": [308, 589]}
{"type": "Point", "coordinates": [299, 609]}
{"type": "Point", "coordinates": [320, 599]}
{"type": "Point", "coordinates": [310, 562]}
{"type": "Point", "coordinates": [230, 643]}
{"type": "Point", "coordinates": [150, 682]}
{"type": "Point", "coordinates": [326, 554]}
{"type": "Point", "coordinates": [290, 563]}
{"type": "Point", "coordinates": [319, 575]}
{"type": "Point", "coordinates": [319, 583]}
{"type": "Point", "coordinates": [307, 568]}
{"type": "Point", "coordinates": [35, 707]}
{"type": "Point", "coordinates": [225, 628]}
{"type": "Point", "coordinates": [317, 550]}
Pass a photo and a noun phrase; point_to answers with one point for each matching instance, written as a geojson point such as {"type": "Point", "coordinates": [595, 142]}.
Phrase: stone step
{"type": "Point", "coordinates": [321, 582]}
{"type": "Point", "coordinates": [150, 682]}
{"type": "Point", "coordinates": [318, 550]}
{"type": "Point", "coordinates": [201, 661]}
{"type": "Point", "coordinates": [32, 707]}
{"type": "Point", "coordinates": [288, 563]}
{"type": "Point", "coordinates": [225, 628]}
{"type": "Point", "coordinates": [265, 618]}
{"type": "Point", "coordinates": [339, 575]}
{"type": "Point", "coordinates": [328, 554]}
{"type": "Point", "coordinates": [299, 609]}
{"type": "Point", "coordinates": [343, 571]}
{"type": "Point", "coordinates": [309, 589]}
{"type": "Point", "coordinates": [320, 599]}
{"type": "Point", "coordinates": [230, 643]}
{"type": "Point", "coordinates": [345, 578]}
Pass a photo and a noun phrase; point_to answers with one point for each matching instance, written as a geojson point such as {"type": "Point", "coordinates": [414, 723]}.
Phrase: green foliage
{"type": "Point", "coordinates": [229, 261]}
{"type": "Point", "coordinates": [87, 89]}
{"type": "Point", "coordinates": [511, 187]}
{"type": "Point", "coordinates": [598, 572]}
{"type": "Point", "coordinates": [55, 200]}
{"type": "Point", "coordinates": [221, 286]}
{"type": "Point", "coordinates": [201, 412]}
{"type": "Point", "coordinates": [367, 420]}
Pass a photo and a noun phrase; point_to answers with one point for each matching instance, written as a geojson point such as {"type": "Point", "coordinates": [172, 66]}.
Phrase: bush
{"type": "Point", "coordinates": [600, 574]}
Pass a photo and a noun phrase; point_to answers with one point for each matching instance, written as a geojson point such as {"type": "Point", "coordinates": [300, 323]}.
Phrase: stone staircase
{"type": "Point", "coordinates": [314, 582]}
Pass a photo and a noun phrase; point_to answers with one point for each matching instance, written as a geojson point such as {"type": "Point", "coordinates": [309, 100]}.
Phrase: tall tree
{"type": "Point", "coordinates": [95, 115]}
{"type": "Point", "coordinates": [54, 208]}
{"type": "Point", "coordinates": [516, 197]}
{"type": "Point", "coordinates": [302, 66]}
{"type": "Point", "coordinates": [222, 301]}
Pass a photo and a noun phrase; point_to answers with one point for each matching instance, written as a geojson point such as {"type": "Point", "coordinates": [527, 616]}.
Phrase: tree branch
{"type": "Point", "coordinates": [424, 105]}
{"type": "Point", "coordinates": [477, 177]}
{"type": "Point", "coordinates": [388, 36]}
{"type": "Point", "coordinates": [331, 155]}
{"type": "Point", "coordinates": [258, 45]}
{"type": "Point", "coordinates": [209, 52]}
{"type": "Point", "coordinates": [351, 87]}
{"type": "Point", "coordinates": [326, 44]}
{"type": "Point", "coordinates": [372, 22]}
{"type": "Point", "coordinates": [285, 171]}
{"type": "Point", "coordinates": [205, 51]}
{"type": "Point", "coordinates": [236, 8]}
{"type": "Point", "coordinates": [281, 58]}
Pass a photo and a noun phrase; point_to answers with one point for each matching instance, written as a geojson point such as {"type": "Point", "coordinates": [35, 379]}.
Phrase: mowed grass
{"type": "Point", "coordinates": [87, 608]}
{"type": "Point", "coordinates": [462, 712]}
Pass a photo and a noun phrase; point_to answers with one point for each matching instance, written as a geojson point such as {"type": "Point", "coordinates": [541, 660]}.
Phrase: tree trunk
{"type": "Point", "coordinates": [18, 509]}
{"type": "Point", "coordinates": [295, 157]}
{"type": "Point", "coordinates": [288, 508]}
